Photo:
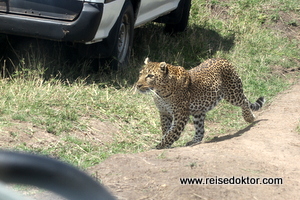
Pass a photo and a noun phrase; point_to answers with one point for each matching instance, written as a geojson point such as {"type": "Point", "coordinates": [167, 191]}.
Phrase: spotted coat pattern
{"type": "Point", "coordinates": [179, 93]}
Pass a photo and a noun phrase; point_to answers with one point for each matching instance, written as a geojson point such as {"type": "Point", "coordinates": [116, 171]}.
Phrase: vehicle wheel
{"type": "Point", "coordinates": [182, 18]}
{"type": "Point", "coordinates": [123, 38]}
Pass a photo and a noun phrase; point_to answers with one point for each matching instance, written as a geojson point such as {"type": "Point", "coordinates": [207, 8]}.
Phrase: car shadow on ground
{"type": "Point", "coordinates": [187, 48]}
{"type": "Point", "coordinates": [63, 60]}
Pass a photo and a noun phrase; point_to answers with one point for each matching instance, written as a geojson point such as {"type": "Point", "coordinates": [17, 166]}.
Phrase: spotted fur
{"type": "Point", "coordinates": [179, 93]}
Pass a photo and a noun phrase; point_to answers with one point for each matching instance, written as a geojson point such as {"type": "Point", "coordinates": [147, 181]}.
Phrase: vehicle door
{"type": "Point", "coordinates": [151, 9]}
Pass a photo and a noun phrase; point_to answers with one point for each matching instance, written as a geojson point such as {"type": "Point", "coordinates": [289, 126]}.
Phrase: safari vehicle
{"type": "Point", "coordinates": [102, 28]}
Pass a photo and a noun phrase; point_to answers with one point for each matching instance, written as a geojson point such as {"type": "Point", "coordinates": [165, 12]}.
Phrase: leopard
{"type": "Point", "coordinates": [179, 93]}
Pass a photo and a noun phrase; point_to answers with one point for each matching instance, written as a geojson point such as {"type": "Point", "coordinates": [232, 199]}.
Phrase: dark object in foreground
{"type": "Point", "coordinates": [50, 174]}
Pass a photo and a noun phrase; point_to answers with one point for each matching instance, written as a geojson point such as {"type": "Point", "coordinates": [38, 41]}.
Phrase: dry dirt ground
{"type": "Point", "coordinates": [268, 148]}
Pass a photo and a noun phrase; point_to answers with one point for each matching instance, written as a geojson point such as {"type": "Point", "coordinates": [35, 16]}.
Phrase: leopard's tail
{"type": "Point", "coordinates": [258, 104]}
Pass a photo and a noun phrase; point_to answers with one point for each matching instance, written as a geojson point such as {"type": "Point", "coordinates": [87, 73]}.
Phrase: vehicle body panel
{"type": "Point", "coordinates": [109, 18]}
{"type": "Point", "coordinates": [60, 10]}
{"type": "Point", "coordinates": [148, 10]}
{"type": "Point", "coordinates": [152, 9]}
{"type": "Point", "coordinates": [77, 30]}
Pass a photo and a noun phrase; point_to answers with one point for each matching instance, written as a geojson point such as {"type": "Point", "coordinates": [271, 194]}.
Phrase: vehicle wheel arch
{"type": "Point", "coordinates": [111, 43]}
{"type": "Point", "coordinates": [177, 20]}
{"type": "Point", "coordinates": [136, 6]}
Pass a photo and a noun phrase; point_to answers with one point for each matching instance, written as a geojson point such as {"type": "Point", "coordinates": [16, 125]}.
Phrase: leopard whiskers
{"type": "Point", "coordinates": [155, 94]}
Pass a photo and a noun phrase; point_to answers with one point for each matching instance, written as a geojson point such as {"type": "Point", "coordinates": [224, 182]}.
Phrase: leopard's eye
{"type": "Point", "coordinates": [150, 76]}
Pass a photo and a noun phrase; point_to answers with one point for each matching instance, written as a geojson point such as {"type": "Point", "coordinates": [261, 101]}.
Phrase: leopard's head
{"type": "Point", "coordinates": [161, 77]}
{"type": "Point", "coordinates": [151, 76]}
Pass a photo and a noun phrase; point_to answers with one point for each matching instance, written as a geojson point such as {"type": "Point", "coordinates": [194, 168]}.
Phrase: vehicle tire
{"type": "Point", "coordinates": [123, 38]}
{"type": "Point", "coordinates": [182, 18]}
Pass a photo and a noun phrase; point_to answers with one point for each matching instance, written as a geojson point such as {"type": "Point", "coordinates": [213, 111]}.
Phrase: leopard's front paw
{"type": "Point", "coordinates": [162, 146]}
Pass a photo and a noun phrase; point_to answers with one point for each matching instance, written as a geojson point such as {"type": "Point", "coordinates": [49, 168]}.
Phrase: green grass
{"type": "Point", "coordinates": [298, 128]}
{"type": "Point", "coordinates": [60, 98]}
{"type": "Point", "coordinates": [61, 109]}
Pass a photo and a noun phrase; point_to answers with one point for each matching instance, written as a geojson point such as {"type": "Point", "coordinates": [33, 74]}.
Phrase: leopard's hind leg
{"type": "Point", "coordinates": [248, 107]}
{"type": "Point", "coordinates": [237, 97]}
{"type": "Point", "coordinates": [199, 129]}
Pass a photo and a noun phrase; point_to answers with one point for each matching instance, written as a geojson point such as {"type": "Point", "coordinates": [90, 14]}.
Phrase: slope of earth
{"type": "Point", "coordinates": [268, 148]}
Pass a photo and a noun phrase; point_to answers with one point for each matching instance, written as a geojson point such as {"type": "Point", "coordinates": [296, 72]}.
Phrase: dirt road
{"type": "Point", "coordinates": [268, 148]}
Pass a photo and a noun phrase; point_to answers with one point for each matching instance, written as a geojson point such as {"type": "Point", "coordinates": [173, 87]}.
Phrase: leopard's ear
{"type": "Point", "coordinates": [147, 60]}
{"type": "Point", "coordinates": [163, 67]}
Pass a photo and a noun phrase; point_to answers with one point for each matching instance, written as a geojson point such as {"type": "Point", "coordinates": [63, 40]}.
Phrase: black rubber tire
{"type": "Point", "coordinates": [182, 20]}
{"type": "Point", "coordinates": [123, 38]}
